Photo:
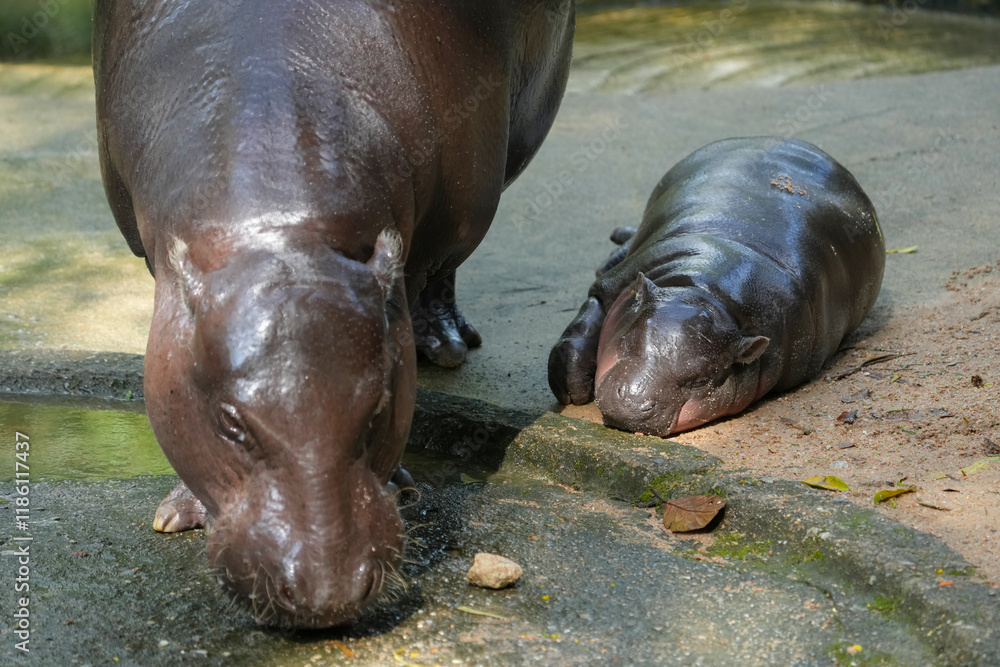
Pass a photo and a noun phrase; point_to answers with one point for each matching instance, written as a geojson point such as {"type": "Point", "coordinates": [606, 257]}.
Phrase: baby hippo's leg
{"type": "Point", "coordinates": [573, 360]}
{"type": "Point", "coordinates": [623, 237]}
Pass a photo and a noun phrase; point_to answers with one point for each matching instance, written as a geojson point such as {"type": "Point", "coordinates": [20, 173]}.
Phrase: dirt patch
{"type": "Point", "coordinates": [929, 418]}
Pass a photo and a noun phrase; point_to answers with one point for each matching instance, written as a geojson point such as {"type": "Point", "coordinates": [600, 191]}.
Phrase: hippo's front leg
{"type": "Point", "coordinates": [573, 361]}
{"type": "Point", "coordinates": [440, 331]}
{"type": "Point", "coordinates": [179, 511]}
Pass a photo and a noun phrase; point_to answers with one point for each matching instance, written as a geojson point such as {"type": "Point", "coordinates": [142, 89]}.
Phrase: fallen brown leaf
{"type": "Point", "coordinates": [847, 417]}
{"type": "Point", "coordinates": [691, 513]}
{"type": "Point", "coordinates": [806, 430]}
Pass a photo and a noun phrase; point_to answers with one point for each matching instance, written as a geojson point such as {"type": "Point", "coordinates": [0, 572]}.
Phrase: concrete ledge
{"type": "Point", "coordinates": [872, 555]}
{"type": "Point", "coordinates": [853, 554]}
{"type": "Point", "coordinates": [113, 376]}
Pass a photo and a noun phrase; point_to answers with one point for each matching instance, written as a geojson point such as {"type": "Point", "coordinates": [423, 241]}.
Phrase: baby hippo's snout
{"type": "Point", "coordinates": [631, 401]}
{"type": "Point", "coordinates": [316, 573]}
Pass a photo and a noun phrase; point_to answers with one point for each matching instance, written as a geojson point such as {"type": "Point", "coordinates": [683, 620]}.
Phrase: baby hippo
{"type": "Point", "coordinates": [755, 257]}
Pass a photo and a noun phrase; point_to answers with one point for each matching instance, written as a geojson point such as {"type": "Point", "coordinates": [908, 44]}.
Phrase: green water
{"type": "Point", "coordinates": [76, 443]}
{"type": "Point", "coordinates": [765, 43]}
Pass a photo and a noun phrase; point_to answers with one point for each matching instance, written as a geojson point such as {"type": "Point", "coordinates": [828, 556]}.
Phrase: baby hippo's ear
{"type": "Point", "coordinates": [749, 348]}
{"type": "Point", "coordinates": [644, 288]}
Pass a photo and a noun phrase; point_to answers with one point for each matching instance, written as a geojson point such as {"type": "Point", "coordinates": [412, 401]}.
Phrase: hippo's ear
{"type": "Point", "coordinates": [749, 348]}
{"type": "Point", "coordinates": [387, 261]}
{"type": "Point", "coordinates": [189, 277]}
{"type": "Point", "coordinates": [644, 288]}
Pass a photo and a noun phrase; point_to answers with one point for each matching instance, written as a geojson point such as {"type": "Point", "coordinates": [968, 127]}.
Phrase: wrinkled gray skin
{"type": "Point", "coordinates": [755, 257]}
{"type": "Point", "coordinates": [301, 176]}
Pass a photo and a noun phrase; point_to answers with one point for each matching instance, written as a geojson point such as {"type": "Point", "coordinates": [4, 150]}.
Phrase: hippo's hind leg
{"type": "Point", "coordinates": [179, 511]}
{"type": "Point", "coordinates": [623, 237]}
{"type": "Point", "coordinates": [441, 332]}
{"type": "Point", "coordinates": [573, 360]}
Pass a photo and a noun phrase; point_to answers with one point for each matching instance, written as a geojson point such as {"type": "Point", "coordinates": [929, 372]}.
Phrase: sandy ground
{"type": "Point", "coordinates": [929, 418]}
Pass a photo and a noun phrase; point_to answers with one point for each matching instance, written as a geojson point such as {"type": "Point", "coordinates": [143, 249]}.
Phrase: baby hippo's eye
{"type": "Point", "coordinates": [699, 383]}
{"type": "Point", "coordinates": [231, 425]}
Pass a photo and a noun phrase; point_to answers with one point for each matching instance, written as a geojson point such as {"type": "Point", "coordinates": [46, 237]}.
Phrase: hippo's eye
{"type": "Point", "coordinates": [232, 425]}
{"type": "Point", "coordinates": [699, 383]}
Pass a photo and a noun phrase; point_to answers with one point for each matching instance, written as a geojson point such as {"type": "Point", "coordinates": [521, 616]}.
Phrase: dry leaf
{"type": "Point", "coordinates": [867, 362]}
{"type": "Point", "coordinates": [794, 424]}
{"type": "Point", "coordinates": [902, 251]}
{"type": "Point", "coordinates": [348, 652]}
{"type": "Point", "coordinates": [924, 503]}
{"type": "Point", "coordinates": [691, 513]}
{"type": "Point", "coordinates": [479, 612]}
{"type": "Point", "coordinates": [860, 396]}
{"type": "Point", "coordinates": [847, 417]}
{"type": "Point", "coordinates": [979, 466]}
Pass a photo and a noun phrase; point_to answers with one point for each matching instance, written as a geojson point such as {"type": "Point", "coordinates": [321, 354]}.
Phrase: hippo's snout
{"type": "Point", "coordinates": [631, 401]}
{"type": "Point", "coordinates": [316, 574]}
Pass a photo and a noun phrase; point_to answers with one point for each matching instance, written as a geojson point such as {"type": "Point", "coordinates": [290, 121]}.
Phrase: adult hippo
{"type": "Point", "coordinates": [301, 176]}
{"type": "Point", "coordinates": [755, 257]}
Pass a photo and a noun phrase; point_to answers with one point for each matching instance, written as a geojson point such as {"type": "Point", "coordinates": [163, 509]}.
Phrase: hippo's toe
{"type": "Point", "coordinates": [179, 511]}
{"type": "Point", "coordinates": [441, 332]}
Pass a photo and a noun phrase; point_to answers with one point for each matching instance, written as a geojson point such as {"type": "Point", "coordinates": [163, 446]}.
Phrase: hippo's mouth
{"type": "Point", "coordinates": [690, 416]}
{"type": "Point", "coordinates": [290, 577]}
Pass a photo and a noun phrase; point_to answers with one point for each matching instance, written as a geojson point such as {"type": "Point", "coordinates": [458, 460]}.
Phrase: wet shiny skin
{"type": "Point", "coordinates": [295, 174]}
{"type": "Point", "coordinates": [754, 259]}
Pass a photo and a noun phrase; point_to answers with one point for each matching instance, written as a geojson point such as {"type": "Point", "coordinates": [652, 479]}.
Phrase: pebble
{"type": "Point", "coordinates": [493, 571]}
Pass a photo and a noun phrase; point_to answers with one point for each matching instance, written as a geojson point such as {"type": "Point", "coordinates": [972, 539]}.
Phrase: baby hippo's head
{"type": "Point", "coordinates": [671, 359]}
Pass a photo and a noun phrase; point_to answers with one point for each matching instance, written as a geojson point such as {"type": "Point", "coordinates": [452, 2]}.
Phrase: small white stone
{"type": "Point", "coordinates": [493, 571]}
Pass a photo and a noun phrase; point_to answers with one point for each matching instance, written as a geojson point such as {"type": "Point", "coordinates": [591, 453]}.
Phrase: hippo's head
{"type": "Point", "coordinates": [280, 383]}
{"type": "Point", "coordinates": [669, 360]}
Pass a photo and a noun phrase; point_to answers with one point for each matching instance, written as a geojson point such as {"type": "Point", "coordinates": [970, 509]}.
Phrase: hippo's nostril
{"type": "Point", "coordinates": [284, 595]}
{"type": "Point", "coordinates": [370, 580]}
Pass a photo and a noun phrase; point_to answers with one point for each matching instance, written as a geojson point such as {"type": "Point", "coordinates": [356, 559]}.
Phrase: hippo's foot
{"type": "Point", "coordinates": [403, 480]}
{"type": "Point", "coordinates": [402, 484]}
{"type": "Point", "coordinates": [179, 511]}
{"type": "Point", "coordinates": [623, 237]}
{"type": "Point", "coordinates": [573, 360]}
{"type": "Point", "coordinates": [441, 332]}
